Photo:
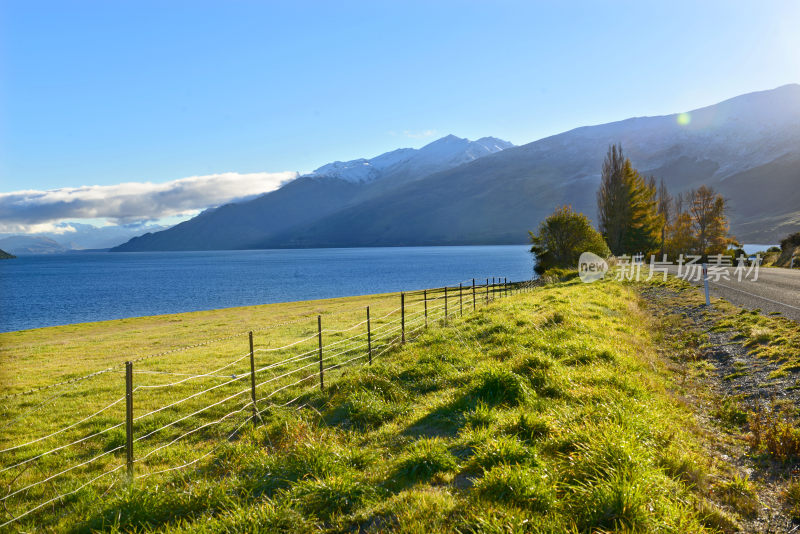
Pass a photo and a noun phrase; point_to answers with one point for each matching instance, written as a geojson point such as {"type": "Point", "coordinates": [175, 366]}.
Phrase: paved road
{"type": "Point", "coordinates": [776, 290]}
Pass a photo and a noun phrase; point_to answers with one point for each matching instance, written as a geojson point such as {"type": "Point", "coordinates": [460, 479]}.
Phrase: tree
{"type": "Point", "coordinates": [679, 235]}
{"type": "Point", "coordinates": [627, 206]}
{"type": "Point", "coordinates": [709, 221]}
{"type": "Point", "coordinates": [665, 211]}
{"type": "Point", "coordinates": [641, 232]}
{"type": "Point", "coordinates": [699, 224]}
{"type": "Point", "coordinates": [613, 199]}
{"type": "Point", "coordinates": [563, 237]}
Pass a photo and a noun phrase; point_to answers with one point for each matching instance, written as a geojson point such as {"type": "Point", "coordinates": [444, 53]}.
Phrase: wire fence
{"type": "Point", "coordinates": [150, 421]}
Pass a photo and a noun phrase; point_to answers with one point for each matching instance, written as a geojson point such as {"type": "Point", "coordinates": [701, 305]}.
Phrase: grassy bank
{"type": "Point", "coordinates": [63, 408]}
{"type": "Point", "coordinates": [543, 412]}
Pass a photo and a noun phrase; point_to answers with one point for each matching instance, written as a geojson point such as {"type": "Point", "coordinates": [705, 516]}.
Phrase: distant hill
{"type": "Point", "coordinates": [72, 236]}
{"type": "Point", "coordinates": [5, 255]}
{"type": "Point", "coordinates": [747, 147]}
{"type": "Point", "coordinates": [21, 245]}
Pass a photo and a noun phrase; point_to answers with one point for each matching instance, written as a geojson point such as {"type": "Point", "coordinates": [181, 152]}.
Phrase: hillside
{"type": "Point", "coordinates": [5, 255]}
{"type": "Point", "coordinates": [313, 197]}
{"type": "Point", "coordinates": [503, 417]}
{"type": "Point", "coordinates": [747, 147]}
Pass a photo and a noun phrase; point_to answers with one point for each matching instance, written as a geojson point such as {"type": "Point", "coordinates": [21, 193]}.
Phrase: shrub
{"type": "Point", "coordinates": [790, 241]}
{"type": "Point", "coordinates": [775, 433]}
{"type": "Point", "coordinates": [792, 497]}
{"type": "Point", "coordinates": [563, 237]}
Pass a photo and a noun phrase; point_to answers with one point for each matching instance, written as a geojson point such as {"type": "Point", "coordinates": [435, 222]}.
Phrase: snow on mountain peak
{"type": "Point", "coordinates": [447, 152]}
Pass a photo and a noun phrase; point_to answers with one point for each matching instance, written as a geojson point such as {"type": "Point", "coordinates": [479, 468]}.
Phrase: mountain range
{"type": "Point", "coordinates": [73, 236]}
{"type": "Point", "coordinates": [455, 191]}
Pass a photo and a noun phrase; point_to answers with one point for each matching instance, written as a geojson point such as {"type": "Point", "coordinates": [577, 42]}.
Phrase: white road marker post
{"type": "Point", "coordinates": [705, 284]}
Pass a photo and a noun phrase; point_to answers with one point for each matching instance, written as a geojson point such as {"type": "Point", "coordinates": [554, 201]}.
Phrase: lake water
{"type": "Point", "coordinates": [37, 291]}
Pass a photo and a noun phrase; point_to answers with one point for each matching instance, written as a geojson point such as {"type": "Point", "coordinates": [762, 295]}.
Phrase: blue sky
{"type": "Point", "coordinates": [98, 93]}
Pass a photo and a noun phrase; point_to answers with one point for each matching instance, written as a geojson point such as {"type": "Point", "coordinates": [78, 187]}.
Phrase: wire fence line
{"type": "Point", "coordinates": [184, 415]}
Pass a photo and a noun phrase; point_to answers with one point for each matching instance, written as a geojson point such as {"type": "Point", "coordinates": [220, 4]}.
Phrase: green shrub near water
{"type": "Point", "coordinates": [562, 237]}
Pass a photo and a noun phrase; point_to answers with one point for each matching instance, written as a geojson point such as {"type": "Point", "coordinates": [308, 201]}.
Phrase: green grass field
{"type": "Point", "coordinates": [547, 411]}
{"type": "Point", "coordinates": [63, 387]}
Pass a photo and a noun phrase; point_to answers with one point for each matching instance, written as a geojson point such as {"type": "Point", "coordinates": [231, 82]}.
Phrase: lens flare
{"type": "Point", "coordinates": [684, 119]}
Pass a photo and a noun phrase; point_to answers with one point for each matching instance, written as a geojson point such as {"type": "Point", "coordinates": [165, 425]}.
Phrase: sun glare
{"type": "Point", "coordinates": [684, 119]}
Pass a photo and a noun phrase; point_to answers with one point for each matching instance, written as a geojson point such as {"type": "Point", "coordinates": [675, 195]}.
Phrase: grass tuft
{"type": "Point", "coordinates": [499, 386]}
{"type": "Point", "coordinates": [520, 486]}
{"type": "Point", "coordinates": [424, 459]}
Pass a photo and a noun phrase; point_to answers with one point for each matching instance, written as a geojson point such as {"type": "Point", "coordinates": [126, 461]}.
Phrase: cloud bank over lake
{"type": "Point", "coordinates": [32, 211]}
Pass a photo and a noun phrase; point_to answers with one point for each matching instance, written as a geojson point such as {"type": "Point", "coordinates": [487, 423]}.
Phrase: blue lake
{"type": "Point", "coordinates": [37, 291]}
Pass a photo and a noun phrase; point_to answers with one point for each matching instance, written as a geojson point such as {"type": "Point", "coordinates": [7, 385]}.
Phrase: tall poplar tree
{"type": "Point", "coordinates": [627, 206]}
{"type": "Point", "coordinates": [613, 201]}
{"type": "Point", "coordinates": [642, 231]}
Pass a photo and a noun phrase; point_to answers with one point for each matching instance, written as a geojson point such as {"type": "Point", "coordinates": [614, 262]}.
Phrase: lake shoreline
{"type": "Point", "coordinates": [67, 289]}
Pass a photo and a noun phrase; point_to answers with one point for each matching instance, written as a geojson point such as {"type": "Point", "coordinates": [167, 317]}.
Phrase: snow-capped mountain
{"type": "Point", "coordinates": [447, 152]}
{"type": "Point", "coordinates": [457, 192]}
{"type": "Point", "coordinates": [330, 188]}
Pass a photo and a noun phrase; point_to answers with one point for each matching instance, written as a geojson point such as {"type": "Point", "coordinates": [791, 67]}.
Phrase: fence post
{"type": "Point", "coordinates": [253, 378]}
{"type": "Point", "coordinates": [474, 300]}
{"type": "Point", "coordinates": [402, 317]}
{"type": "Point", "coordinates": [445, 304]}
{"type": "Point", "coordinates": [493, 288]}
{"type": "Point", "coordinates": [129, 418]}
{"type": "Point", "coordinates": [369, 337]}
{"type": "Point", "coordinates": [487, 291]}
{"type": "Point", "coordinates": [460, 299]}
{"type": "Point", "coordinates": [319, 336]}
{"type": "Point", "coordinates": [505, 285]}
{"type": "Point", "coordinates": [425, 297]}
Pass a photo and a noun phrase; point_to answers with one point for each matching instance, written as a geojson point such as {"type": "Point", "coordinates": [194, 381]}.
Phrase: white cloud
{"type": "Point", "coordinates": [34, 211]}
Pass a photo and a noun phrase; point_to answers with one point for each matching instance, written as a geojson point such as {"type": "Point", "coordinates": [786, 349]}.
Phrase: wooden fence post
{"type": "Point", "coordinates": [445, 304]}
{"type": "Point", "coordinates": [402, 317]}
{"type": "Point", "coordinates": [129, 418]}
{"type": "Point", "coordinates": [253, 378]}
{"type": "Point", "coordinates": [460, 299]}
{"type": "Point", "coordinates": [369, 337]}
{"type": "Point", "coordinates": [505, 285]}
{"type": "Point", "coordinates": [425, 298]}
{"type": "Point", "coordinates": [487, 291]}
{"type": "Point", "coordinates": [474, 300]}
{"type": "Point", "coordinates": [319, 336]}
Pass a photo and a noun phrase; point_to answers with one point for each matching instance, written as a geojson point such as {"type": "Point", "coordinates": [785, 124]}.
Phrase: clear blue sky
{"type": "Point", "coordinates": [107, 92]}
